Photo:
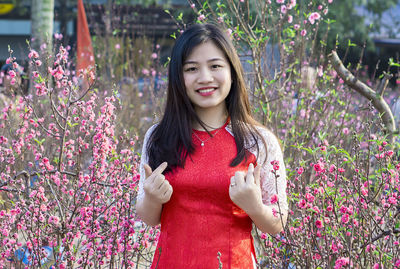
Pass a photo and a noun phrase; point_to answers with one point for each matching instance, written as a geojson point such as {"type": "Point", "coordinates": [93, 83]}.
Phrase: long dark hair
{"type": "Point", "coordinates": [171, 139]}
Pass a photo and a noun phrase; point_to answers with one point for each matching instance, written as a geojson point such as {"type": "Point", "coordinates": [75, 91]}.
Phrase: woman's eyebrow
{"type": "Point", "coordinates": [210, 60]}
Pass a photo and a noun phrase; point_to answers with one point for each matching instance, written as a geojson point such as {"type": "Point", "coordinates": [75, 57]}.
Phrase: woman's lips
{"type": "Point", "coordinates": [206, 92]}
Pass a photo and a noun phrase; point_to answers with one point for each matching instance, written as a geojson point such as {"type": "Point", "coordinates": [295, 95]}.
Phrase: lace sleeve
{"type": "Point", "coordinates": [144, 159]}
{"type": "Point", "coordinates": [269, 184]}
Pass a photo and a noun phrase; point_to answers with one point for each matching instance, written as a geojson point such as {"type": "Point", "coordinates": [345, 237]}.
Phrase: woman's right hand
{"type": "Point", "coordinates": [156, 187]}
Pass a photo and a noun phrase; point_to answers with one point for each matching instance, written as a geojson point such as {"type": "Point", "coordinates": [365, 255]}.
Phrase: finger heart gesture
{"type": "Point", "coordinates": [155, 184]}
{"type": "Point", "coordinates": [245, 190]}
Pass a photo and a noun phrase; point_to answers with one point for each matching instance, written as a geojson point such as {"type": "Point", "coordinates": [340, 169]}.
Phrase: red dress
{"type": "Point", "coordinates": [200, 220]}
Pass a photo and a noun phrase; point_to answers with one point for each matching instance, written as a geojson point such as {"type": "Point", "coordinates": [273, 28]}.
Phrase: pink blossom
{"type": "Point", "coordinates": [342, 262]}
{"type": "Point", "coordinates": [296, 26]}
{"type": "Point", "coordinates": [300, 170]}
{"type": "Point", "coordinates": [33, 54]}
{"type": "Point", "coordinates": [275, 165]}
{"type": "Point", "coordinates": [314, 17]}
{"type": "Point", "coordinates": [201, 17]}
{"type": "Point", "coordinates": [58, 36]}
{"type": "Point", "coordinates": [145, 71]}
{"type": "Point", "coordinates": [310, 198]}
{"type": "Point", "coordinates": [319, 224]}
{"type": "Point", "coordinates": [117, 46]}
{"type": "Point", "coordinates": [319, 167]}
{"type": "Point", "coordinates": [283, 9]}
{"type": "Point", "coordinates": [154, 55]}
{"type": "Point", "coordinates": [345, 218]}
{"type": "Point", "coordinates": [290, 19]}
{"type": "Point", "coordinates": [303, 32]}
{"type": "Point", "coordinates": [280, 1]}
{"type": "Point", "coordinates": [274, 199]}
{"type": "Point", "coordinates": [12, 73]}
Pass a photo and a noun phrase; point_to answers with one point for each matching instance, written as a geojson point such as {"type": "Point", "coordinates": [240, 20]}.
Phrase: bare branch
{"type": "Point", "coordinates": [376, 99]}
{"type": "Point", "coordinates": [383, 84]}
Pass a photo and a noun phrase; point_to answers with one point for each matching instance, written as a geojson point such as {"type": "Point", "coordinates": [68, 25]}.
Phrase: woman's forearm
{"type": "Point", "coordinates": [268, 219]}
{"type": "Point", "coordinates": [149, 211]}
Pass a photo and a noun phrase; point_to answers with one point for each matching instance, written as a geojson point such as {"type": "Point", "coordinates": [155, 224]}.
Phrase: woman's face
{"type": "Point", "coordinates": [207, 76]}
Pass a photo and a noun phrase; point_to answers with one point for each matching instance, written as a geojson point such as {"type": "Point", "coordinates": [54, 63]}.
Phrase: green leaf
{"type": "Point", "coordinates": [392, 63]}
{"type": "Point", "coordinates": [350, 44]}
{"type": "Point", "coordinates": [180, 17]}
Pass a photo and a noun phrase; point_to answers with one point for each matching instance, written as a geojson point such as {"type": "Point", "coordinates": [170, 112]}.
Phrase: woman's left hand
{"type": "Point", "coordinates": [245, 190]}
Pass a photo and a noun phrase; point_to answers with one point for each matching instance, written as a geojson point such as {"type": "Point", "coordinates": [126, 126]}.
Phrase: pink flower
{"type": "Point", "coordinates": [300, 170]}
{"type": "Point", "coordinates": [310, 198]}
{"type": "Point", "coordinates": [319, 167]}
{"type": "Point", "coordinates": [290, 19]}
{"type": "Point", "coordinates": [154, 55]}
{"type": "Point", "coordinates": [319, 224]}
{"type": "Point", "coordinates": [145, 72]}
{"type": "Point", "coordinates": [192, 5]}
{"type": "Point", "coordinates": [296, 26]}
{"type": "Point", "coordinates": [313, 17]}
{"type": "Point", "coordinates": [201, 17]}
{"type": "Point", "coordinates": [275, 165]}
{"type": "Point", "coordinates": [345, 218]}
{"type": "Point", "coordinates": [303, 32]}
{"type": "Point", "coordinates": [280, 1]}
{"type": "Point", "coordinates": [302, 203]}
{"type": "Point", "coordinates": [392, 200]}
{"type": "Point", "coordinates": [33, 54]}
{"type": "Point", "coordinates": [342, 262]}
{"type": "Point", "coordinates": [58, 36]}
{"type": "Point", "coordinates": [274, 199]}
{"type": "Point", "coordinates": [117, 46]}
{"type": "Point", "coordinates": [283, 9]}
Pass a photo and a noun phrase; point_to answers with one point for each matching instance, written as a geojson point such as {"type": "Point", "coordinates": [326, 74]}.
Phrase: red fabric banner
{"type": "Point", "coordinates": [85, 56]}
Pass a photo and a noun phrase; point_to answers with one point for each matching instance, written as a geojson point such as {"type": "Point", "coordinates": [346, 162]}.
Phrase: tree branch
{"type": "Point", "coordinates": [374, 96]}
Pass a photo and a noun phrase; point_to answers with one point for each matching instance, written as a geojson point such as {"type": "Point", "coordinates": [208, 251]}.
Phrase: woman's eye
{"type": "Point", "coordinates": [216, 66]}
{"type": "Point", "coordinates": [190, 69]}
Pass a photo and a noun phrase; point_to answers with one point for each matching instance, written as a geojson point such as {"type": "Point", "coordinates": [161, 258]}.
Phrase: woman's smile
{"type": "Point", "coordinates": [207, 91]}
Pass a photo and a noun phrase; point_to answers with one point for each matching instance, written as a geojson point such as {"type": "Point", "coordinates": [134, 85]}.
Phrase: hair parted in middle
{"type": "Point", "coordinates": [171, 139]}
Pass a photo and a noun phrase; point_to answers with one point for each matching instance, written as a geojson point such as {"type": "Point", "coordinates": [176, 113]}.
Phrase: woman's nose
{"type": "Point", "coordinates": [205, 76]}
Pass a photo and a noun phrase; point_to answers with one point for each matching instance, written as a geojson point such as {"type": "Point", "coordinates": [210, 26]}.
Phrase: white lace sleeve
{"type": "Point", "coordinates": [269, 184]}
{"type": "Point", "coordinates": [144, 159]}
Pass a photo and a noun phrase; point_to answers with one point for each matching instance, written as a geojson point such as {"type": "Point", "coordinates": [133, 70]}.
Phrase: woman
{"type": "Point", "coordinates": [206, 167]}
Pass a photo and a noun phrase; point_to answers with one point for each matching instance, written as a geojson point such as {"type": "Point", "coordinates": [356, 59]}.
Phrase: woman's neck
{"type": "Point", "coordinates": [212, 118]}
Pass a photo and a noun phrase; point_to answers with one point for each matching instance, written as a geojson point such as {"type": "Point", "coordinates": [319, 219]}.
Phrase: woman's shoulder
{"type": "Point", "coordinates": [151, 130]}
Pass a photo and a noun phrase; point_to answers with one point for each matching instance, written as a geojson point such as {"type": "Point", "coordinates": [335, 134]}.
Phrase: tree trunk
{"type": "Point", "coordinates": [42, 23]}
{"type": "Point", "coordinates": [42, 18]}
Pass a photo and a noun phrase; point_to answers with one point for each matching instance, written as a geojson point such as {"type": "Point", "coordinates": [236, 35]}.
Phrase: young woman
{"type": "Point", "coordinates": [206, 172]}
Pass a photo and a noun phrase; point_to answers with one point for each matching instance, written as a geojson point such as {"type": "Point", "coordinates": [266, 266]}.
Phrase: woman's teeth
{"type": "Point", "coordinates": [205, 90]}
